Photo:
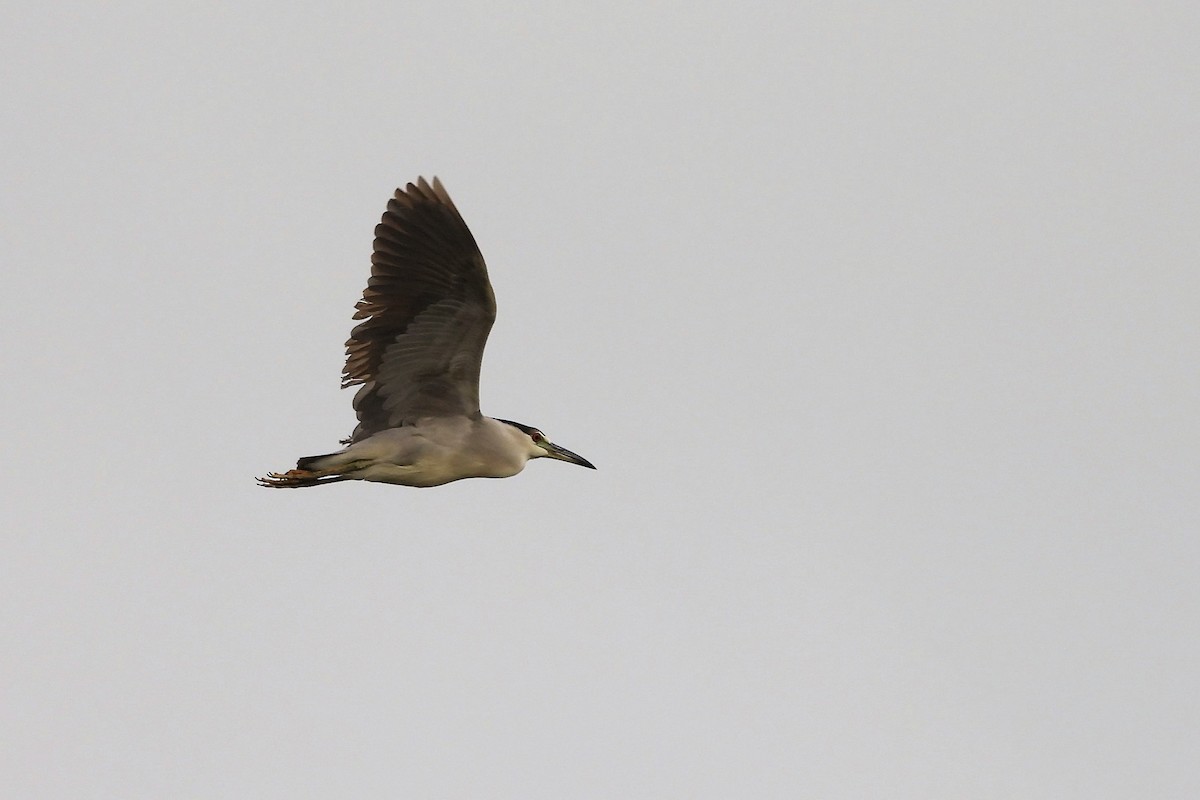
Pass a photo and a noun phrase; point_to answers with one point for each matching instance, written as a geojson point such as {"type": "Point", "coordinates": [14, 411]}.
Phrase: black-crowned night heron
{"type": "Point", "coordinates": [427, 310]}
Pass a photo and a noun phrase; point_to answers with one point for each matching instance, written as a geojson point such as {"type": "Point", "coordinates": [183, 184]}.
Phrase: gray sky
{"type": "Point", "coordinates": [879, 321]}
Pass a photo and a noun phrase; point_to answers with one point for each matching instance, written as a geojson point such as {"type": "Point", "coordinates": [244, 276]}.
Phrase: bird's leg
{"type": "Point", "coordinates": [296, 478]}
{"type": "Point", "coordinates": [292, 479]}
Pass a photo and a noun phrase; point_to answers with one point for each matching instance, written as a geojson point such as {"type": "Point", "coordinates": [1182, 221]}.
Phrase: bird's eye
{"type": "Point", "coordinates": [537, 437]}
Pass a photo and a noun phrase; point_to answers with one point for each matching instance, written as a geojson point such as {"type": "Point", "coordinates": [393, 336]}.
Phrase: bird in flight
{"type": "Point", "coordinates": [426, 314]}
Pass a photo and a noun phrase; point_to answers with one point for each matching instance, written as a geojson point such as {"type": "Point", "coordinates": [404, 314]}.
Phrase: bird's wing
{"type": "Point", "coordinates": [427, 311]}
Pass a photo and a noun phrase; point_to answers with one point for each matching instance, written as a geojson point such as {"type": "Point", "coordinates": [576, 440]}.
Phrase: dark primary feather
{"type": "Point", "coordinates": [427, 311]}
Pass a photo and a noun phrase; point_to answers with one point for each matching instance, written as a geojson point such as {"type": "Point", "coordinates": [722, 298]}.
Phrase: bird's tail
{"type": "Point", "coordinates": [312, 463]}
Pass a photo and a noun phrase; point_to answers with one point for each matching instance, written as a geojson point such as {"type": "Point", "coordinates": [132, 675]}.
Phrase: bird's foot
{"type": "Point", "coordinates": [292, 479]}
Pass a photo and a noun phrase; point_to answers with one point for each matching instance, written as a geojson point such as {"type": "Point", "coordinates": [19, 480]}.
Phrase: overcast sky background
{"type": "Point", "coordinates": [880, 321]}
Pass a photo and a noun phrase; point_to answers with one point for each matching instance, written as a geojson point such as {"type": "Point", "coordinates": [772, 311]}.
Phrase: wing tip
{"type": "Point", "coordinates": [431, 190]}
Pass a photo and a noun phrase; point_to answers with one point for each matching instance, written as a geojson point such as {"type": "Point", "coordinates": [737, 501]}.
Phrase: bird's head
{"type": "Point", "coordinates": [541, 447]}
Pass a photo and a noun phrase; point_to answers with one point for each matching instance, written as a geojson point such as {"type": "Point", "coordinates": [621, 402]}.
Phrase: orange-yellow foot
{"type": "Point", "coordinates": [291, 479]}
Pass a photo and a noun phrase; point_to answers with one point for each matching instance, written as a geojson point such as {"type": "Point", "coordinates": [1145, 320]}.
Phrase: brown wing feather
{"type": "Point", "coordinates": [426, 311]}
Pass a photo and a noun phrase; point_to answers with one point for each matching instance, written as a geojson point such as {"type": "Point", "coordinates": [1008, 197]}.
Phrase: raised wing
{"type": "Point", "coordinates": [427, 311]}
